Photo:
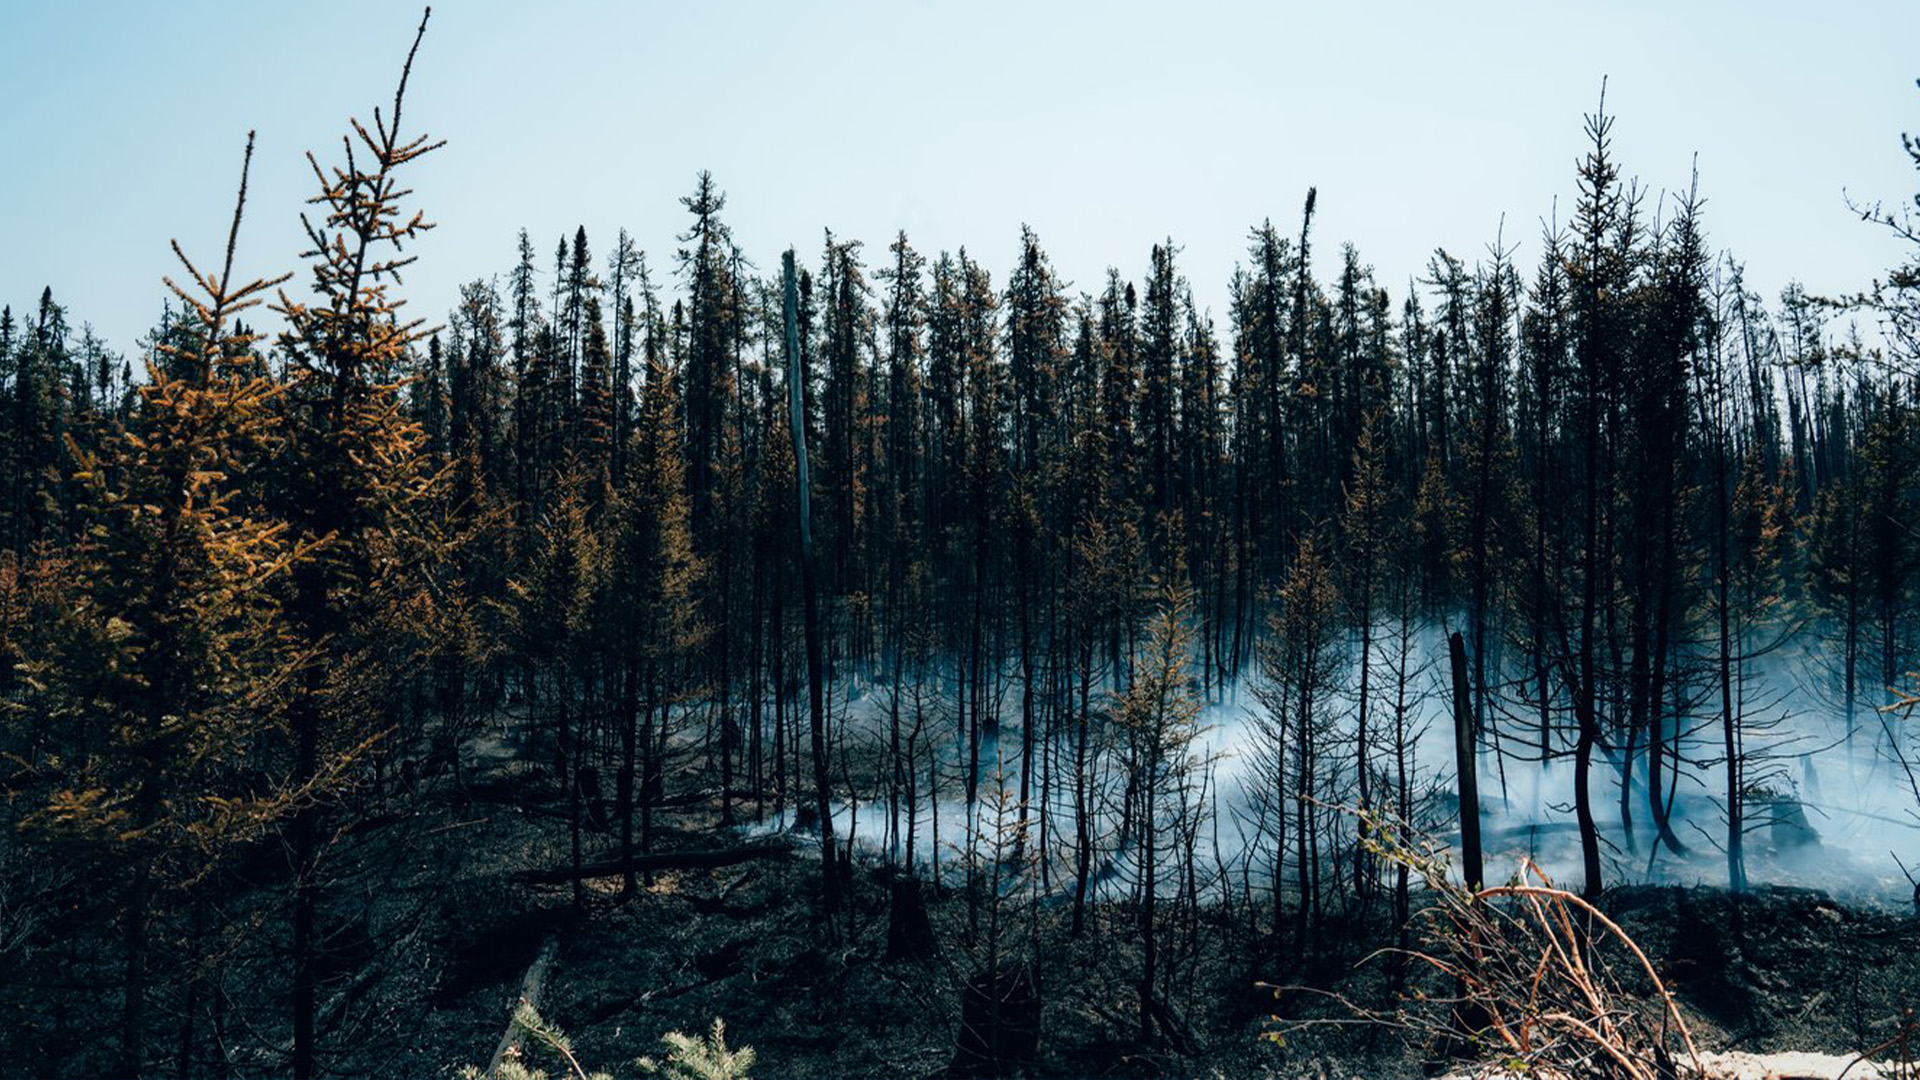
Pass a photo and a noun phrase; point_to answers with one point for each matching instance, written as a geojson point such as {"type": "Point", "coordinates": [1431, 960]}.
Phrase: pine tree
{"type": "Point", "coordinates": [846, 336]}
{"type": "Point", "coordinates": [1888, 457]}
{"type": "Point", "coordinates": [707, 371]}
{"type": "Point", "coordinates": [171, 665]}
{"type": "Point", "coordinates": [1670, 348]}
{"type": "Point", "coordinates": [1836, 572]}
{"type": "Point", "coordinates": [1599, 274]}
{"type": "Point", "coordinates": [901, 522]}
{"type": "Point", "coordinates": [625, 267]}
{"type": "Point", "coordinates": [38, 419]}
{"type": "Point", "coordinates": [816, 706]}
{"type": "Point", "coordinates": [1159, 717]}
{"type": "Point", "coordinates": [566, 571]}
{"type": "Point", "coordinates": [1300, 669]}
{"type": "Point", "coordinates": [1159, 382]}
{"type": "Point", "coordinates": [1035, 350]}
{"type": "Point", "coordinates": [1539, 407]}
{"type": "Point", "coordinates": [427, 402]}
{"type": "Point", "coordinates": [654, 594]}
{"type": "Point", "coordinates": [580, 288]}
{"type": "Point", "coordinates": [1486, 458]}
{"type": "Point", "coordinates": [529, 383]}
{"type": "Point", "coordinates": [476, 391]}
{"type": "Point", "coordinates": [349, 474]}
{"type": "Point", "coordinates": [1366, 527]}
{"type": "Point", "coordinates": [596, 425]}
{"type": "Point", "coordinates": [1203, 463]}
{"type": "Point", "coordinates": [1746, 601]}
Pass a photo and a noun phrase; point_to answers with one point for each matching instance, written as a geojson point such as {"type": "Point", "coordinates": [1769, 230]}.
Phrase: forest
{"type": "Point", "coordinates": [1038, 672]}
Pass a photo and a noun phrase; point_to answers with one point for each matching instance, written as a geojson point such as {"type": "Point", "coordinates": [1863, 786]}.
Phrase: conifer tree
{"type": "Point", "coordinates": [476, 390]}
{"type": "Point", "coordinates": [596, 424]}
{"type": "Point", "coordinates": [1836, 572]}
{"type": "Point", "coordinates": [846, 335]}
{"type": "Point", "coordinates": [1888, 456]}
{"type": "Point", "coordinates": [1300, 666]}
{"type": "Point", "coordinates": [1159, 717]}
{"type": "Point", "coordinates": [566, 571]}
{"type": "Point", "coordinates": [625, 267]}
{"type": "Point", "coordinates": [1539, 415]}
{"type": "Point", "coordinates": [901, 518]}
{"type": "Point", "coordinates": [171, 665]}
{"type": "Point", "coordinates": [37, 408]}
{"type": "Point", "coordinates": [1599, 279]}
{"type": "Point", "coordinates": [1746, 598]}
{"type": "Point", "coordinates": [707, 371]}
{"type": "Point", "coordinates": [350, 474]}
{"type": "Point", "coordinates": [428, 400]}
{"type": "Point", "coordinates": [655, 591]}
{"type": "Point", "coordinates": [816, 707]}
{"type": "Point", "coordinates": [1486, 457]}
{"type": "Point", "coordinates": [1036, 351]}
{"type": "Point", "coordinates": [529, 383]}
{"type": "Point", "coordinates": [1366, 528]}
{"type": "Point", "coordinates": [1159, 376]}
{"type": "Point", "coordinates": [1202, 465]}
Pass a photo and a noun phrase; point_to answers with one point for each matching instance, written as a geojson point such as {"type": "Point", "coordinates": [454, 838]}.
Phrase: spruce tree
{"type": "Point", "coordinates": [172, 663]}
{"type": "Point", "coordinates": [349, 477]}
{"type": "Point", "coordinates": [654, 592]}
{"type": "Point", "coordinates": [1160, 719]}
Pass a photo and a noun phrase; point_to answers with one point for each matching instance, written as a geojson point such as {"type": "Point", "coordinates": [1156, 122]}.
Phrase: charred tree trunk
{"type": "Point", "coordinates": [816, 699]}
{"type": "Point", "coordinates": [1463, 757]}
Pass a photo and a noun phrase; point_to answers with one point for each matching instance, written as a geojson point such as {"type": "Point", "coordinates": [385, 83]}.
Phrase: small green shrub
{"type": "Point", "coordinates": [688, 1057]}
{"type": "Point", "coordinates": [691, 1058]}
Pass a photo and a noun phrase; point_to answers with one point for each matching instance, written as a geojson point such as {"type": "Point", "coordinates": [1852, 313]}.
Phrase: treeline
{"type": "Point", "coordinates": [257, 601]}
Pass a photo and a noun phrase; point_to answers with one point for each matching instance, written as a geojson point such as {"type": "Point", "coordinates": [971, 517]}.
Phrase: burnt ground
{"type": "Point", "coordinates": [1779, 968]}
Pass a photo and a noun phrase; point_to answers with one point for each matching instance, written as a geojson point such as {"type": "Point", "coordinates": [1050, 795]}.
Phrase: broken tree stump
{"type": "Point", "coordinates": [999, 1024]}
{"type": "Point", "coordinates": [909, 928]}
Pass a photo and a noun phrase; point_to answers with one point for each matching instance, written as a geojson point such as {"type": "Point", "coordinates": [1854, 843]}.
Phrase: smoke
{"type": "Point", "coordinates": [1828, 804]}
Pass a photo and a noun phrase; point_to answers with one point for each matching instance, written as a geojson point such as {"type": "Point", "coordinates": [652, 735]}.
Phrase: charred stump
{"type": "Point", "coordinates": [999, 1024]}
{"type": "Point", "coordinates": [909, 928]}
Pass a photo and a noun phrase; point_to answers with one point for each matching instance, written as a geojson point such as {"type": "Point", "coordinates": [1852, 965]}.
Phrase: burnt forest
{"type": "Point", "coordinates": [862, 659]}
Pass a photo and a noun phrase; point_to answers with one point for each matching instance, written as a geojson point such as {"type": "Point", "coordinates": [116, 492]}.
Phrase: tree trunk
{"type": "Point", "coordinates": [1463, 757]}
{"type": "Point", "coordinates": [624, 786]}
{"type": "Point", "coordinates": [133, 1003]}
{"type": "Point", "coordinates": [816, 701]}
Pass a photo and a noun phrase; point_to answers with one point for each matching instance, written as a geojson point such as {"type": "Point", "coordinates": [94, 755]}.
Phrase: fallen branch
{"type": "Point", "coordinates": [669, 860]}
{"type": "Point", "coordinates": [1526, 979]}
{"type": "Point", "coordinates": [529, 996]}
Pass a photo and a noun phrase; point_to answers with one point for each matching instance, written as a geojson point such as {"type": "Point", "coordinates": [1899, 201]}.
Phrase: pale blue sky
{"type": "Point", "coordinates": [1106, 126]}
